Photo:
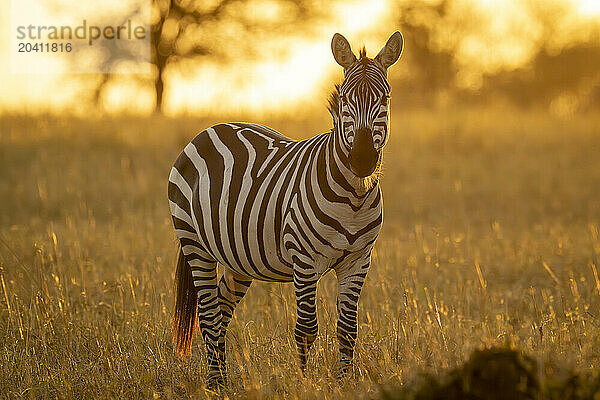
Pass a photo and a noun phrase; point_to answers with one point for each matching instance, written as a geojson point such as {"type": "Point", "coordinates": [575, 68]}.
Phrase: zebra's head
{"type": "Point", "coordinates": [361, 104]}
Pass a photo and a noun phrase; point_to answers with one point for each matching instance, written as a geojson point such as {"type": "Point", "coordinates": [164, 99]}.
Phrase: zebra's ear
{"type": "Point", "coordinates": [342, 51]}
{"type": "Point", "coordinates": [391, 51]}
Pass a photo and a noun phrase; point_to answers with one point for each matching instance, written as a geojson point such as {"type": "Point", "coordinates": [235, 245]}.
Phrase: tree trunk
{"type": "Point", "coordinates": [160, 56]}
{"type": "Point", "coordinates": [159, 88]}
{"type": "Point", "coordinates": [97, 94]}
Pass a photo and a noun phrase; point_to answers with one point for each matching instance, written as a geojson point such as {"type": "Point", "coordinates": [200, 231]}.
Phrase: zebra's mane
{"type": "Point", "coordinates": [362, 54]}
{"type": "Point", "coordinates": [334, 104]}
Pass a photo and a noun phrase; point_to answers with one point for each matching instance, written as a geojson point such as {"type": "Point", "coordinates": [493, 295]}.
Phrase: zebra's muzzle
{"type": "Point", "coordinates": [363, 155]}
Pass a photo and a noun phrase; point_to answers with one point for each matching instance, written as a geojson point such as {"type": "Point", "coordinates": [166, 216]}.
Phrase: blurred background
{"type": "Point", "coordinates": [271, 58]}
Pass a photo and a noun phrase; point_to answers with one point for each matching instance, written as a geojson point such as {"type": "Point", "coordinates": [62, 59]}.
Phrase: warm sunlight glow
{"type": "Point", "coordinates": [589, 7]}
{"type": "Point", "coordinates": [505, 38]}
{"type": "Point", "coordinates": [278, 85]}
{"type": "Point", "coordinates": [264, 57]}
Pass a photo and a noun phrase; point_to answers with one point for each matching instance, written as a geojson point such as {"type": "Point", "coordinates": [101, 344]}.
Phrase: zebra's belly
{"type": "Point", "coordinates": [246, 242]}
{"type": "Point", "coordinates": [241, 230]}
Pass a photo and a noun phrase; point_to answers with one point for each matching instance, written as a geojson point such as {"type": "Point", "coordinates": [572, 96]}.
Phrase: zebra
{"type": "Point", "coordinates": [274, 209]}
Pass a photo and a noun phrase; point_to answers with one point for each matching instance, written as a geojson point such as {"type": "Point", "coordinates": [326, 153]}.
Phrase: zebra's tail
{"type": "Point", "coordinates": [186, 302]}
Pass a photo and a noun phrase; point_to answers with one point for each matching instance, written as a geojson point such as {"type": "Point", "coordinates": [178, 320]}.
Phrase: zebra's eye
{"type": "Point", "coordinates": [384, 100]}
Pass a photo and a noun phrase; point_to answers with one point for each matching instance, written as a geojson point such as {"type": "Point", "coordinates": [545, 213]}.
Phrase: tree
{"type": "Point", "coordinates": [184, 30]}
{"type": "Point", "coordinates": [452, 47]}
{"type": "Point", "coordinates": [431, 69]}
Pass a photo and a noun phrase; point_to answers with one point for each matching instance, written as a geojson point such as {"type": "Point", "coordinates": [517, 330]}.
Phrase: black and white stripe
{"type": "Point", "coordinates": [270, 208]}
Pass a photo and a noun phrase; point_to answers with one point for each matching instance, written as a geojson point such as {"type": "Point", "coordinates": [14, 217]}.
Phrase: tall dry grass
{"type": "Point", "coordinates": [491, 236]}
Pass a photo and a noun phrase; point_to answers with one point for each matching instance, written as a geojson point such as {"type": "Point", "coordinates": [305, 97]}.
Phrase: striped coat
{"type": "Point", "coordinates": [270, 208]}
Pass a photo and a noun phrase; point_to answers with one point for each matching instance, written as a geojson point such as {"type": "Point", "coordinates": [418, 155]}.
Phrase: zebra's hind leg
{"type": "Point", "coordinates": [305, 333]}
{"type": "Point", "coordinates": [232, 288]}
{"type": "Point", "coordinates": [204, 276]}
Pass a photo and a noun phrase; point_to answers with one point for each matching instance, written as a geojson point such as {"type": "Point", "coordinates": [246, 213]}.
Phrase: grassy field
{"type": "Point", "coordinates": [491, 236]}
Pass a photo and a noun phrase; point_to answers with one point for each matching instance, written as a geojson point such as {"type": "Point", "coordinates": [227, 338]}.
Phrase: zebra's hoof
{"type": "Point", "coordinates": [217, 383]}
{"type": "Point", "coordinates": [344, 372]}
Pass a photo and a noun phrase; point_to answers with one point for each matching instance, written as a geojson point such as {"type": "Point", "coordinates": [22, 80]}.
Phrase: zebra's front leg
{"type": "Point", "coordinates": [306, 322]}
{"type": "Point", "coordinates": [350, 284]}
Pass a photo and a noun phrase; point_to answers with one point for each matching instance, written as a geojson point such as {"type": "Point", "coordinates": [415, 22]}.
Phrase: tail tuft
{"type": "Point", "coordinates": [186, 302]}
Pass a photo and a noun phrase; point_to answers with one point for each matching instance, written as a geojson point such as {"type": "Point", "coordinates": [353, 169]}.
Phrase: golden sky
{"type": "Point", "coordinates": [297, 71]}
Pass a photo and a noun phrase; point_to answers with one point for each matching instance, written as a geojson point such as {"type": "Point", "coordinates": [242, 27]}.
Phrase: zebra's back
{"type": "Point", "coordinates": [228, 190]}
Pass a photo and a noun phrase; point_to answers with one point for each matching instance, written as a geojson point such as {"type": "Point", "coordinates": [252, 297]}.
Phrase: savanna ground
{"type": "Point", "coordinates": [491, 236]}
